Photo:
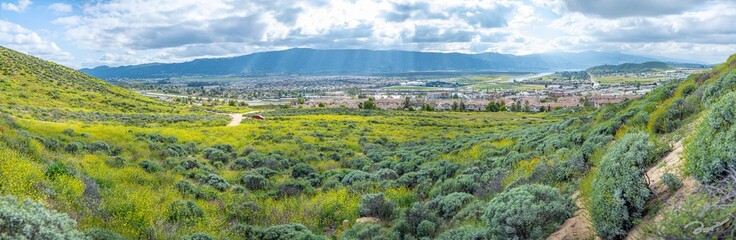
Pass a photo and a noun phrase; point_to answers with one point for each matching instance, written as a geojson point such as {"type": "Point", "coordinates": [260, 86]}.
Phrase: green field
{"type": "Point", "coordinates": [627, 80]}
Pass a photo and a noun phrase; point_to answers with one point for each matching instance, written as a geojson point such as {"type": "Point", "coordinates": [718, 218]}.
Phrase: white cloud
{"type": "Point", "coordinates": [21, 39]}
{"type": "Point", "coordinates": [19, 7]}
{"type": "Point", "coordinates": [157, 30]}
{"type": "Point", "coordinates": [60, 7]}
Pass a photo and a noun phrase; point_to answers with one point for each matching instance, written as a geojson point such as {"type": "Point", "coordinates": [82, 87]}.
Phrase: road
{"type": "Point", "coordinates": [237, 118]}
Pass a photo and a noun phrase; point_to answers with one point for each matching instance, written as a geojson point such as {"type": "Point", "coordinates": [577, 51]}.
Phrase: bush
{"type": "Point", "coordinates": [527, 212]}
{"type": "Point", "coordinates": [32, 220]}
{"type": "Point", "coordinates": [243, 211]}
{"type": "Point", "coordinates": [74, 147]}
{"type": "Point", "coordinates": [408, 224]}
{"type": "Point", "coordinates": [710, 151]}
{"type": "Point", "coordinates": [302, 170]}
{"type": "Point", "coordinates": [186, 212]}
{"type": "Point", "coordinates": [57, 169]}
{"type": "Point", "coordinates": [375, 205]}
{"type": "Point", "coordinates": [199, 236]}
{"type": "Point", "coordinates": [673, 183]}
{"type": "Point", "coordinates": [465, 233]}
{"type": "Point", "coordinates": [116, 162]}
{"type": "Point", "coordinates": [294, 188]}
{"type": "Point", "coordinates": [216, 155]}
{"type": "Point", "coordinates": [447, 206]}
{"type": "Point", "coordinates": [368, 231]}
{"type": "Point", "coordinates": [102, 234]}
{"type": "Point", "coordinates": [99, 146]}
{"type": "Point", "coordinates": [216, 182]}
{"type": "Point", "coordinates": [355, 176]}
{"type": "Point", "coordinates": [241, 164]}
{"type": "Point", "coordinates": [619, 191]}
{"type": "Point", "coordinates": [253, 181]}
{"type": "Point", "coordinates": [150, 166]}
{"type": "Point", "coordinates": [68, 132]}
{"type": "Point", "coordinates": [289, 231]}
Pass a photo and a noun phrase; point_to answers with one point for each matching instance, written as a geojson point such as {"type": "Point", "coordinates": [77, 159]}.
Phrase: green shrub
{"type": "Point", "coordinates": [368, 231]}
{"type": "Point", "coordinates": [68, 132]}
{"type": "Point", "coordinates": [74, 147]}
{"type": "Point", "coordinates": [57, 169]}
{"type": "Point", "coordinates": [102, 234]}
{"type": "Point", "coordinates": [289, 231]}
{"type": "Point", "coordinates": [527, 212]}
{"type": "Point", "coordinates": [116, 162]}
{"type": "Point", "coordinates": [465, 233]}
{"type": "Point", "coordinates": [199, 236]}
{"type": "Point", "coordinates": [447, 206]}
{"type": "Point", "coordinates": [186, 188]}
{"type": "Point", "coordinates": [673, 183]}
{"type": "Point", "coordinates": [376, 205]}
{"type": "Point", "coordinates": [243, 211]}
{"type": "Point", "coordinates": [710, 151]}
{"type": "Point", "coordinates": [32, 220]}
{"type": "Point", "coordinates": [186, 212]}
{"type": "Point", "coordinates": [302, 170]}
{"type": "Point", "coordinates": [241, 164]}
{"type": "Point", "coordinates": [216, 155]}
{"type": "Point", "coordinates": [408, 224]}
{"type": "Point", "coordinates": [150, 166]}
{"type": "Point", "coordinates": [294, 187]}
{"type": "Point", "coordinates": [254, 181]}
{"type": "Point", "coordinates": [619, 190]}
{"type": "Point", "coordinates": [216, 182]}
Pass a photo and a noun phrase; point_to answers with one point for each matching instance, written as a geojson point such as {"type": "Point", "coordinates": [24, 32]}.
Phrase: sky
{"type": "Point", "coordinates": [89, 33]}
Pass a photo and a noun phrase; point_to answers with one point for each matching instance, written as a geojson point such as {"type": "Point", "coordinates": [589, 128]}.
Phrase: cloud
{"type": "Point", "coordinates": [629, 8]}
{"type": "Point", "coordinates": [21, 39]}
{"type": "Point", "coordinates": [134, 31]}
{"type": "Point", "coordinates": [60, 7]}
{"type": "Point", "coordinates": [19, 7]}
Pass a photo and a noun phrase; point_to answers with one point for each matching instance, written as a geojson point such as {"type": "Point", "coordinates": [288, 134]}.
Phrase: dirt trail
{"type": "Point", "coordinates": [237, 118]}
{"type": "Point", "coordinates": [580, 227]}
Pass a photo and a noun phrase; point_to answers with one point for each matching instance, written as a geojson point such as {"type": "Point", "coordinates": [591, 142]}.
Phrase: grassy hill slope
{"type": "Point", "coordinates": [29, 81]}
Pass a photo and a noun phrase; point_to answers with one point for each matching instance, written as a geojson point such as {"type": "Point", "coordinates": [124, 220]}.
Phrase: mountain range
{"type": "Point", "coordinates": [315, 62]}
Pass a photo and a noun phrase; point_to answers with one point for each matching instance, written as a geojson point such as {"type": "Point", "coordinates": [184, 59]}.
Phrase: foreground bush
{"type": "Point", "coordinates": [31, 220]}
{"type": "Point", "coordinates": [619, 191]}
{"type": "Point", "coordinates": [186, 212]}
{"type": "Point", "coordinates": [375, 205]}
{"type": "Point", "coordinates": [711, 150]}
{"type": "Point", "coordinates": [527, 212]}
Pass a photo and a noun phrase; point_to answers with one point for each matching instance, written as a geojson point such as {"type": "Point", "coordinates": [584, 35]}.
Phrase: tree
{"type": "Point", "coordinates": [407, 102]}
{"type": "Point", "coordinates": [370, 104]}
{"type": "Point", "coordinates": [527, 212]}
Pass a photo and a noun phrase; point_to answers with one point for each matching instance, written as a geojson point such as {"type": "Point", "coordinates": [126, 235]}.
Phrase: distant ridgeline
{"type": "Point", "coordinates": [640, 67]}
{"type": "Point", "coordinates": [315, 62]}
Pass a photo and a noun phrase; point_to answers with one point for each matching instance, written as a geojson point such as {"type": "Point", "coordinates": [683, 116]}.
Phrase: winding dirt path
{"type": "Point", "coordinates": [237, 118]}
{"type": "Point", "coordinates": [578, 226]}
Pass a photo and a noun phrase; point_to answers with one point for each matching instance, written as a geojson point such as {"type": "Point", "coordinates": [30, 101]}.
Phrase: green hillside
{"type": "Point", "coordinates": [312, 173]}
{"type": "Point", "coordinates": [30, 81]}
{"type": "Point", "coordinates": [630, 68]}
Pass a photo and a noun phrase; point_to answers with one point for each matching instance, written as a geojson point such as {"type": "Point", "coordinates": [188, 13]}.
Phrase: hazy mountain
{"type": "Point", "coordinates": [311, 61]}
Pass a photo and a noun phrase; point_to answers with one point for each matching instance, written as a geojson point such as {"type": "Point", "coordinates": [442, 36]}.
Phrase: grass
{"type": "Point", "coordinates": [627, 79]}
